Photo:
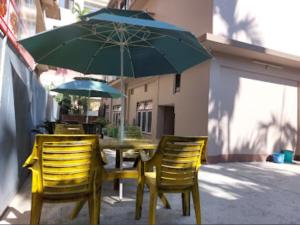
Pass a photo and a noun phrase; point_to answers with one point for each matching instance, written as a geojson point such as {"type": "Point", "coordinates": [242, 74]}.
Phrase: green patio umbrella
{"type": "Point", "coordinates": [88, 88]}
{"type": "Point", "coordinates": [119, 43]}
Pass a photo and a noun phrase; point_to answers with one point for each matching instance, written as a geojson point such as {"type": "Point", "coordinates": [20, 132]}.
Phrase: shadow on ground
{"type": "Point", "coordinates": [231, 193]}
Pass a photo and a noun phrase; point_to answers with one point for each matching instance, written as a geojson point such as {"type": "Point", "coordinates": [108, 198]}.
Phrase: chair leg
{"type": "Point", "coordinates": [139, 200]}
{"type": "Point", "coordinates": [36, 208]}
{"type": "Point", "coordinates": [152, 205]}
{"type": "Point", "coordinates": [77, 209]}
{"type": "Point", "coordinates": [185, 203]}
{"type": "Point", "coordinates": [196, 201]}
{"type": "Point", "coordinates": [164, 200]}
{"type": "Point", "coordinates": [94, 208]}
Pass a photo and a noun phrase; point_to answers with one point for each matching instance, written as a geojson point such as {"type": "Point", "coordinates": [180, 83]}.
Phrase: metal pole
{"type": "Point", "coordinates": [122, 117]}
{"type": "Point", "coordinates": [87, 107]}
{"type": "Point", "coordinates": [122, 97]}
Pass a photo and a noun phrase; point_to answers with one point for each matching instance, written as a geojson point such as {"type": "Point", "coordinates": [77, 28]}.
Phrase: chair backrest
{"type": "Point", "coordinates": [67, 164]}
{"type": "Point", "coordinates": [61, 128]}
{"type": "Point", "coordinates": [179, 159]}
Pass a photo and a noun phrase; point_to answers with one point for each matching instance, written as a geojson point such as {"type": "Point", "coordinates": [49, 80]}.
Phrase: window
{"type": "Point", "coordinates": [116, 115]}
{"type": "Point", "coordinates": [144, 116]}
{"type": "Point", "coordinates": [139, 118]}
{"type": "Point", "coordinates": [177, 83]}
{"type": "Point", "coordinates": [146, 87]}
{"type": "Point", "coordinates": [149, 121]}
{"type": "Point", "coordinates": [132, 91]}
{"type": "Point", "coordinates": [107, 112]}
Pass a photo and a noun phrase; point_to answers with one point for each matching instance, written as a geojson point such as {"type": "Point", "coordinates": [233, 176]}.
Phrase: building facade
{"type": "Point", "coordinates": [245, 98]}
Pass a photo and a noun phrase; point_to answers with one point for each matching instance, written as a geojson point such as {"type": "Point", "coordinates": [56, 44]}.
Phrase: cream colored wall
{"type": "Point", "coordinates": [140, 95]}
{"type": "Point", "coordinates": [252, 110]}
{"type": "Point", "coordinates": [193, 15]}
{"type": "Point", "coordinates": [191, 103]}
{"type": "Point", "coordinates": [191, 107]}
{"type": "Point", "coordinates": [271, 24]}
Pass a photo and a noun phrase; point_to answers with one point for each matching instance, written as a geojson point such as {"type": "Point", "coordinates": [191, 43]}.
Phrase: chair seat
{"type": "Point", "coordinates": [150, 179]}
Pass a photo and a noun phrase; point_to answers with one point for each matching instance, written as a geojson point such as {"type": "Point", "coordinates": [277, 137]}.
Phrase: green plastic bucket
{"type": "Point", "coordinates": [288, 156]}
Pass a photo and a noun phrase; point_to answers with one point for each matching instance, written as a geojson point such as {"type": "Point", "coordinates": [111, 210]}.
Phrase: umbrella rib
{"type": "Point", "coordinates": [66, 42]}
{"type": "Point", "coordinates": [162, 35]}
{"type": "Point", "coordinates": [98, 34]}
{"type": "Point", "coordinates": [135, 34]}
{"type": "Point", "coordinates": [137, 45]}
{"type": "Point", "coordinates": [97, 51]}
{"type": "Point", "coordinates": [117, 32]}
{"type": "Point", "coordinates": [142, 40]}
{"type": "Point", "coordinates": [104, 38]}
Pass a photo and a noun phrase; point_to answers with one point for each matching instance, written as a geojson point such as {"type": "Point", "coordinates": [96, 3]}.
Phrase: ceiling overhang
{"type": "Point", "coordinates": [215, 43]}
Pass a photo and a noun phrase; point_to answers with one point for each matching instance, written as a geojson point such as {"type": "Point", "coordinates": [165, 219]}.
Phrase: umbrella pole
{"type": "Point", "coordinates": [87, 107]}
{"type": "Point", "coordinates": [122, 97]}
{"type": "Point", "coordinates": [122, 118]}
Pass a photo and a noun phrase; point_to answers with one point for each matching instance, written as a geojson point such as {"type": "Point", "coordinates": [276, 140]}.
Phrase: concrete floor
{"type": "Point", "coordinates": [231, 193]}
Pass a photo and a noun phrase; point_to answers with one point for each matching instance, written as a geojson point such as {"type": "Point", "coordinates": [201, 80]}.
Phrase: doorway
{"type": "Point", "coordinates": [166, 120]}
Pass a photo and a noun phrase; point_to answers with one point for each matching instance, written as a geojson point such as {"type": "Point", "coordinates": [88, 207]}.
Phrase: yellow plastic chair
{"type": "Point", "coordinates": [176, 163]}
{"type": "Point", "coordinates": [66, 168]}
{"type": "Point", "coordinates": [61, 128]}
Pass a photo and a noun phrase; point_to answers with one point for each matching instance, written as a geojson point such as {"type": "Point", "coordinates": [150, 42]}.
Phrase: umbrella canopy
{"type": "Point", "coordinates": [88, 88]}
{"type": "Point", "coordinates": [119, 43]}
{"type": "Point", "coordinates": [93, 45]}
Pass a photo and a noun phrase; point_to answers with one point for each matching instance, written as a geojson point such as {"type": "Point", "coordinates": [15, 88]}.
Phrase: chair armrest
{"type": "Point", "coordinates": [30, 161]}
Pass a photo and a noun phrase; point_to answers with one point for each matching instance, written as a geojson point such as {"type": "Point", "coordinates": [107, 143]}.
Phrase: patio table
{"type": "Point", "coordinates": [121, 146]}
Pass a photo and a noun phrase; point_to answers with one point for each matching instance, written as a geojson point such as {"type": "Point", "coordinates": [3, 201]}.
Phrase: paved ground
{"type": "Point", "coordinates": [231, 193]}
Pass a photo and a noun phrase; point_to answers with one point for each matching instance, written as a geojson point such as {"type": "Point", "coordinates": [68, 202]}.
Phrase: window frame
{"type": "Point", "coordinates": [116, 115]}
{"type": "Point", "coordinates": [177, 83]}
{"type": "Point", "coordinates": [143, 121]}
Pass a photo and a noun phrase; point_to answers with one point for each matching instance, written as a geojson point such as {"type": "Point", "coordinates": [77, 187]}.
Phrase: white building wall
{"type": "Point", "coordinates": [251, 111]}
{"type": "Point", "coordinates": [271, 24]}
